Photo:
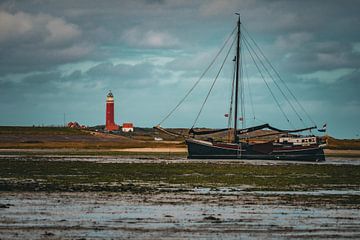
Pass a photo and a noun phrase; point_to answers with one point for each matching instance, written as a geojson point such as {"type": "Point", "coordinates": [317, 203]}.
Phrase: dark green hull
{"type": "Point", "coordinates": [208, 150]}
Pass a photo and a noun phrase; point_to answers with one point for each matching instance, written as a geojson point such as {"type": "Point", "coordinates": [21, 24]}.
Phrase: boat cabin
{"type": "Point", "coordinates": [298, 141]}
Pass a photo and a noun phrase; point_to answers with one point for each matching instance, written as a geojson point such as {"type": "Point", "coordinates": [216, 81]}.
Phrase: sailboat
{"type": "Point", "coordinates": [263, 141]}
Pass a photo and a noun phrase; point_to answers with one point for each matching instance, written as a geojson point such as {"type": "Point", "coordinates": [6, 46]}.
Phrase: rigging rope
{"type": "Point", "coordinates": [249, 87]}
{"type": "Point", "coordinates": [197, 82]}
{"type": "Point", "coordinates": [278, 75]}
{"type": "Point", "coordinates": [277, 85]}
{"type": "Point", "coordinates": [267, 85]}
{"type": "Point", "coordinates": [232, 95]}
{"type": "Point", "coordinates": [242, 92]}
{"type": "Point", "coordinates": [231, 100]}
{"type": "Point", "coordinates": [213, 84]}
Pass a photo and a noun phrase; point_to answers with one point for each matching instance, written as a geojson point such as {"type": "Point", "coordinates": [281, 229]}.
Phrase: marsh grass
{"type": "Point", "coordinates": [41, 130]}
{"type": "Point", "coordinates": [86, 145]}
{"type": "Point", "coordinates": [45, 175]}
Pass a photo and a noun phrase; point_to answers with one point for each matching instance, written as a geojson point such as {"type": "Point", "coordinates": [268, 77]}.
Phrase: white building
{"type": "Point", "coordinates": [127, 127]}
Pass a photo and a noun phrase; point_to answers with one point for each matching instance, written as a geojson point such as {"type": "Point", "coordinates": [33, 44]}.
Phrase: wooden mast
{"type": "Point", "coordinates": [236, 138]}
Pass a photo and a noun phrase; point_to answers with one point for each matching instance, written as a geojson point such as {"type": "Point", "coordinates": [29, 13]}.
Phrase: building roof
{"type": "Point", "coordinates": [128, 125]}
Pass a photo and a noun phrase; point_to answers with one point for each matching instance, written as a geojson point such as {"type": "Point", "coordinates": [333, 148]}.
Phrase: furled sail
{"type": "Point", "coordinates": [291, 131]}
{"type": "Point", "coordinates": [248, 130]}
{"type": "Point", "coordinates": [205, 132]}
{"type": "Point", "coordinates": [252, 129]}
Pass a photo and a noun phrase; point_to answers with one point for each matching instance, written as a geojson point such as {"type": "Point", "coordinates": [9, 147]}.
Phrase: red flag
{"type": "Point", "coordinates": [226, 115]}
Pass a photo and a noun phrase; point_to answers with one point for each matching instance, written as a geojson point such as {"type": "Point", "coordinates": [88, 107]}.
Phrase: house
{"type": "Point", "coordinates": [127, 127]}
{"type": "Point", "coordinates": [75, 125]}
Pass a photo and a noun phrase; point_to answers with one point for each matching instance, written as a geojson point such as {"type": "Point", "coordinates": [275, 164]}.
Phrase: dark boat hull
{"type": "Point", "coordinates": [207, 150]}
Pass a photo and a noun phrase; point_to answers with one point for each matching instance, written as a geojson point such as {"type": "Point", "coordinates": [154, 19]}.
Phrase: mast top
{"type": "Point", "coordinates": [238, 22]}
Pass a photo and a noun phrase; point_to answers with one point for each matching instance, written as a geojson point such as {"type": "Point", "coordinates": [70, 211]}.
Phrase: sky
{"type": "Point", "coordinates": [62, 57]}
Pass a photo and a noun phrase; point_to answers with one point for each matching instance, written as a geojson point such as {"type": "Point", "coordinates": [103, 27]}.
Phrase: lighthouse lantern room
{"type": "Point", "coordinates": [110, 123]}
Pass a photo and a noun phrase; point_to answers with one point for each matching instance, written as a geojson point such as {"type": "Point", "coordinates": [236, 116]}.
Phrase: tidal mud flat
{"type": "Point", "coordinates": [108, 197]}
{"type": "Point", "coordinates": [170, 216]}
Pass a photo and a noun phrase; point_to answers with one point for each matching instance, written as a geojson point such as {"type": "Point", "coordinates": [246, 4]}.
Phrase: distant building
{"type": "Point", "coordinates": [110, 124]}
{"type": "Point", "coordinates": [127, 127]}
{"type": "Point", "coordinates": [75, 125]}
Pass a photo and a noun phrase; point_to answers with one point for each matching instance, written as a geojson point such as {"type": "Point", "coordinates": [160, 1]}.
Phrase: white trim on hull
{"type": "Point", "coordinates": [198, 149]}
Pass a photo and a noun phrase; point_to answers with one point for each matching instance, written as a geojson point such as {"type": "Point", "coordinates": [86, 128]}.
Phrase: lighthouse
{"type": "Point", "coordinates": [110, 124]}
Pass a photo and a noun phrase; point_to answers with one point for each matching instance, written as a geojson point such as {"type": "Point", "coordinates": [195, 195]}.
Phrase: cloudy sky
{"type": "Point", "coordinates": [64, 56]}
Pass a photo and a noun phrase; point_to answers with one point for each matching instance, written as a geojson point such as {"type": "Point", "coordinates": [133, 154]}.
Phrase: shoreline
{"type": "Point", "coordinates": [181, 151]}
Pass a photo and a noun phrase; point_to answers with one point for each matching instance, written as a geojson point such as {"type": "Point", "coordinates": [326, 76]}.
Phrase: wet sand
{"type": "Point", "coordinates": [171, 159]}
{"type": "Point", "coordinates": [175, 211]}
{"type": "Point", "coordinates": [328, 152]}
{"type": "Point", "coordinates": [184, 150]}
{"type": "Point", "coordinates": [170, 216]}
{"type": "Point", "coordinates": [154, 150]}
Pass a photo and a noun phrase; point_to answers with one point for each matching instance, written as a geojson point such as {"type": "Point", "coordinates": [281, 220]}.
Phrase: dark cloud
{"type": "Point", "coordinates": [60, 52]}
{"type": "Point", "coordinates": [102, 76]}
{"type": "Point", "coordinates": [37, 42]}
{"type": "Point", "coordinates": [127, 76]}
{"type": "Point", "coordinates": [345, 89]}
{"type": "Point", "coordinates": [306, 56]}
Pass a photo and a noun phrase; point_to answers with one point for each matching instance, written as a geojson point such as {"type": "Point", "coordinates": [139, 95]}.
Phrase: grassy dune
{"type": "Point", "coordinates": [35, 131]}
{"type": "Point", "coordinates": [66, 138]}
{"type": "Point", "coordinates": [343, 144]}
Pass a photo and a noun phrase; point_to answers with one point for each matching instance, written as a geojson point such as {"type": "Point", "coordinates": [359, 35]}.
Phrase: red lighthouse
{"type": "Point", "coordinates": [110, 124]}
